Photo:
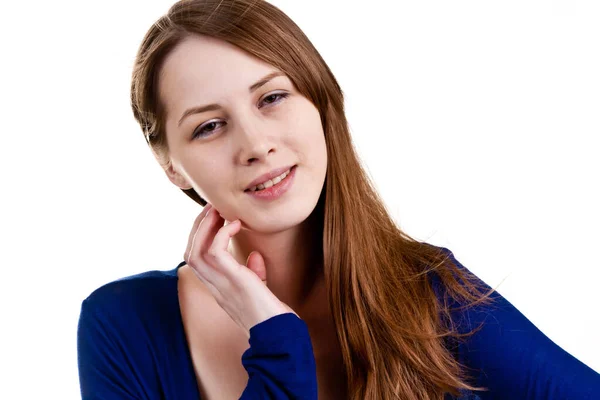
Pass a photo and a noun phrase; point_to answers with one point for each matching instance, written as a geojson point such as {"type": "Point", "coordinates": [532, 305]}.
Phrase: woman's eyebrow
{"type": "Point", "coordinates": [214, 107]}
{"type": "Point", "coordinates": [264, 80]}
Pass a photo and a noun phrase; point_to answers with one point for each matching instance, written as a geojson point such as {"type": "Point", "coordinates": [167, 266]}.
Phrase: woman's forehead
{"type": "Point", "coordinates": [211, 63]}
{"type": "Point", "coordinates": [209, 69]}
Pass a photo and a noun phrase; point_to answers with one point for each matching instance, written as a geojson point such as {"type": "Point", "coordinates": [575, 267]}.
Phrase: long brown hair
{"type": "Point", "coordinates": [391, 324]}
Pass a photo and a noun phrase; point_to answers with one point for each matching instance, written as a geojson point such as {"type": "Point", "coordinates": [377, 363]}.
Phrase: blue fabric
{"type": "Point", "coordinates": [131, 344]}
{"type": "Point", "coordinates": [511, 357]}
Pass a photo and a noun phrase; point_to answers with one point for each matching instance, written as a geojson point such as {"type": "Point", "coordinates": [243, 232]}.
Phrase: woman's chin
{"type": "Point", "coordinates": [268, 225]}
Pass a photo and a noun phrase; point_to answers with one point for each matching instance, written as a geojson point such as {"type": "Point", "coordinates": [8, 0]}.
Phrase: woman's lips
{"type": "Point", "coordinates": [277, 190]}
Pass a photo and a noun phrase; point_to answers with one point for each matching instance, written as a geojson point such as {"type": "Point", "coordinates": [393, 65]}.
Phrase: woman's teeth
{"type": "Point", "coordinates": [270, 182]}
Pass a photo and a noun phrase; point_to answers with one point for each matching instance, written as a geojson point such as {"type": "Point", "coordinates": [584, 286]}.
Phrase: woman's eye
{"type": "Point", "coordinates": [206, 129]}
{"type": "Point", "coordinates": [275, 98]}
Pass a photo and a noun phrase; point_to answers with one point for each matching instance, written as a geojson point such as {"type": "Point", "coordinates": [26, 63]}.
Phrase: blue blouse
{"type": "Point", "coordinates": [131, 344]}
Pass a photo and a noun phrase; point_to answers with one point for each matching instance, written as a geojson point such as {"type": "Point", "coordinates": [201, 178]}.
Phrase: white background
{"type": "Point", "coordinates": [478, 121]}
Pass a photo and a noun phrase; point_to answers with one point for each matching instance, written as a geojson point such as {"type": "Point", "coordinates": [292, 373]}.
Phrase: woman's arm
{"type": "Point", "coordinates": [280, 361]}
{"type": "Point", "coordinates": [123, 338]}
{"type": "Point", "coordinates": [515, 360]}
{"type": "Point", "coordinates": [109, 366]}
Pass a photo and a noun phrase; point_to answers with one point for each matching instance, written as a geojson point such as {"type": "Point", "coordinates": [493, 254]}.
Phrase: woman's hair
{"type": "Point", "coordinates": [393, 327]}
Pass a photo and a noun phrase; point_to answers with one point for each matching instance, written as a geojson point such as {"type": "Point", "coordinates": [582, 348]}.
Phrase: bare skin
{"type": "Point", "coordinates": [252, 133]}
{"type": "Point", "coordinates": [217, 316]}
{"type": "Point", "coordinates": [216, 346]}
{"type": "Point", "coordinates": [261, 123]}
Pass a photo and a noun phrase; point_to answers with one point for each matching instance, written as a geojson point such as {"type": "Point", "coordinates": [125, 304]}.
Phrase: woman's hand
{"type": "Point", "coordinates": [239, 289]}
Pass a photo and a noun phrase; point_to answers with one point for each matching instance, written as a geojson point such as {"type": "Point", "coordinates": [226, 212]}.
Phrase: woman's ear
{"type": "Point", "coordinates": [176, 177]}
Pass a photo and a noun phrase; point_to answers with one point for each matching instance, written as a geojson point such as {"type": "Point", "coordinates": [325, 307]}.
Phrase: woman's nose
{"type": "Point", "coordinates": [255, 142]}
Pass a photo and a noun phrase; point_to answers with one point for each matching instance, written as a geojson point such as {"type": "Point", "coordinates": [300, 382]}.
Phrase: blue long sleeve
{"type": "Point", "coordinates": [512, 358]}
{"type": "Point", "coordinates": [280, 360]}
{"type": "Point", "coordinates": [131, 345]}
{"type": "Point", "coordinates": [110, 368]}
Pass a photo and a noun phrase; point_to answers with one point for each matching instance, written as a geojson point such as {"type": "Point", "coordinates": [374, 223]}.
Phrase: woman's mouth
{"type": "Point", "coordinates": [275, 187]}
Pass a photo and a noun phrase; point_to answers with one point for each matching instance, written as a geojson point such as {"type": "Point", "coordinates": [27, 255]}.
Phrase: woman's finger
{"type": "Point", "coordinates": [199, 258]}
{"type": "Point", "coordinates": [217, 252]}
{"type": "Point", "coordinates": [214, 222]}
{"type": "Point", "coordinates": [256, 263]}
{"type": "Point", "coordinates": [197, 222]}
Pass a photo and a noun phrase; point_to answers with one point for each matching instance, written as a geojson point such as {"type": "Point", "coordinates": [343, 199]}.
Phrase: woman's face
{"type": "Point", "coordinates": [252, 130]}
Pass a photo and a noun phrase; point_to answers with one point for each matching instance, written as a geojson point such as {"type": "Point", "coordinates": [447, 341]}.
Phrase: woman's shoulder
{"type": "Point", "coordinates": [449, 269]}
{"type": "Point", "coordinates": [147, 295]}
{"type": "Point", "coordinates": [130, 339]}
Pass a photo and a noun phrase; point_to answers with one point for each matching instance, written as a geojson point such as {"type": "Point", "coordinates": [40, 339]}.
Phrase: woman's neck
{"type": "Point", "coordinates": [293, 260]}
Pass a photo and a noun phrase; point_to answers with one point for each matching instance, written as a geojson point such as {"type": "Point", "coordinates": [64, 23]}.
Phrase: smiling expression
{"type": "Point", "coordinates": [231, 118]}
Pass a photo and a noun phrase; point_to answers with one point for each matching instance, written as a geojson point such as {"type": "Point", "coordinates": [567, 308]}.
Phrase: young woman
{"type": "Point", "coordinates": [296, 283]}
